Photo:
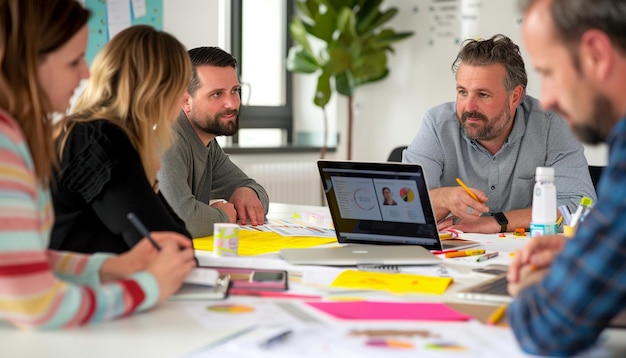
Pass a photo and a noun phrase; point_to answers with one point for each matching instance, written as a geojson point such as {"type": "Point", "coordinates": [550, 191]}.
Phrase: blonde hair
{"type": "Point", "coordinates": [136, 81]}
{"type": "Point", "coordinates": [30, 30]}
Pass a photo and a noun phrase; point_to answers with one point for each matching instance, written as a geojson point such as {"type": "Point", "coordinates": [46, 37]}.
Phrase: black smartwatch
{"type": "Point", "coordinates": [502, 220]}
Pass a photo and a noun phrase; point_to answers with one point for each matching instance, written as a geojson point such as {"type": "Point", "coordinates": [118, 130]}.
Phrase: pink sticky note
{"type": "Point", "coordinates": [418, 311]}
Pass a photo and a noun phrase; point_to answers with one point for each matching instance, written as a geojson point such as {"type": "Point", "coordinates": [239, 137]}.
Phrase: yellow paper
{"type": "Point", "coordinates": [398, 283]}
{"type": "Point", "coordinates": [256, 243]}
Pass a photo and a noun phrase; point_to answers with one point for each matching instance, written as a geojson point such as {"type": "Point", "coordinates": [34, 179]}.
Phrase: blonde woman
{"type": "Point", "coordinates": [109, 146]}
{"type": "Point", "coordinates": [42, 46]}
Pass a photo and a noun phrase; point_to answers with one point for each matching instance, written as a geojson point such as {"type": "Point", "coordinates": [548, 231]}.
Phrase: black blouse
{"type": "Point", "coordinates": [101, 179]}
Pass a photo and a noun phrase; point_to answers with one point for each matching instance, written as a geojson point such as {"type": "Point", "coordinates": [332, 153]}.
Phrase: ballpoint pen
{"type": "Point", "coordinates": [143, 230]}
{"type": "Point", "coordinates": [463, 253]}
{"type": "Point", "coordinates": [471, 193]}
{"type": "Point", "coordinates": [487, 256]}
{"type": "Point", "coordinates": [497, 315]}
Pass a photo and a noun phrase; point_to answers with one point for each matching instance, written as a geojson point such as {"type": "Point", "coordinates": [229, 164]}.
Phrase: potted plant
{"type": "Point", "coordinates": [353, 52]}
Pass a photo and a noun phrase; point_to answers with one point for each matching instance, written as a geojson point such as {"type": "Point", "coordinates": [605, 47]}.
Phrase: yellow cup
{"type": "Point", "coordinates": [569, 231]}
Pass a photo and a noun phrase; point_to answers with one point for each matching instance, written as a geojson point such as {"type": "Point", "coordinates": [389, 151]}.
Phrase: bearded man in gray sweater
{"type": "Point", "coordinates": [197, 178]}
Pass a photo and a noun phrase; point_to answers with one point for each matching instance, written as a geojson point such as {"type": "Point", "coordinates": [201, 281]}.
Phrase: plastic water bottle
{"type": "Point", "coordinates": [544, 203]}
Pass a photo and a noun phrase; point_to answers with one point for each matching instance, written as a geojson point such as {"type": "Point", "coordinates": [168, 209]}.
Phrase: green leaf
{"type": "Point", "coordinates": [307, 8]}
{"type": "Point", "coordinates": [387, 37]}
{"type": "Point", "coordinates": [340, 59]}
{"type": "Point", "coordinates": [346, 24]}
{"type": "Point", "coordinates": [384, 17]}
{"type": "Point", "coordinates": [366, 15]}
{"type": "Point", "coordinates": [299, 34]}
{"type": "Point", "coordinates": [324, 26]}
{"type": "Point", "coordinates": [323, 90]}
{"type": "Point", "coordinates": [345, 83]}
{"type": "Point", "coordinates": [300, 61]}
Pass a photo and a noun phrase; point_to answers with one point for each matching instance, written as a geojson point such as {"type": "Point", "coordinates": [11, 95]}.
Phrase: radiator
{"type": "Point", "coordinates": [288, 182]}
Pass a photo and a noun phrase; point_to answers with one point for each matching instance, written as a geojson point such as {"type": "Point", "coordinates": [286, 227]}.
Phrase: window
{"type": "Point", "coordinates": [260, 42]}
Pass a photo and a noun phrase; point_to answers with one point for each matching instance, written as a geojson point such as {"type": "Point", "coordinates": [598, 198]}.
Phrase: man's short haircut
{"type": "Point", "coordinates": [207, 56]}
{"type": "Point", "coordinates": [499, 49]}
{"type": "Point", "coordinates": [571, 18]}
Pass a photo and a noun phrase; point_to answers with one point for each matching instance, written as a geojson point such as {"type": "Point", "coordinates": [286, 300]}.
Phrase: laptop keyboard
{"type": "Point", "coordinates": [493, 287]}
{"type": "Point", "coordinates": [493, 290]}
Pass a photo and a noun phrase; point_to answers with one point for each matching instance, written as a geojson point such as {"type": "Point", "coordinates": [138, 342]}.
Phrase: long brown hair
{"type": "Point", "coordinates": [29, 30]}
{"type": "Point", "coordinates": [135, 82]}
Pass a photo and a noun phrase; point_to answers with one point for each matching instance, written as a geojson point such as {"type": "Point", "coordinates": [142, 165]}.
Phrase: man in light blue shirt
{"type": "Point", "coordinates": [494, 137]}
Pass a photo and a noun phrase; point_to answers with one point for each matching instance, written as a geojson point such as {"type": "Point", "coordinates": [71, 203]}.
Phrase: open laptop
{"type": "Point", "coordinates": [356, 254]}
{"type": "Point", "coordinates": [381, 204]}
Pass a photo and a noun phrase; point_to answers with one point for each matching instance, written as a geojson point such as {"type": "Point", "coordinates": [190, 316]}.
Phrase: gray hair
{"type": "Point", "coordinates": [499, 49]}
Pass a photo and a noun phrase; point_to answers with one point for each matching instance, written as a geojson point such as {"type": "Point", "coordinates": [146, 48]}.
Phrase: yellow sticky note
{"type": "Point", "coordinates": [257, 242]}
{"type": "Point", "coordinates": [399, 283]}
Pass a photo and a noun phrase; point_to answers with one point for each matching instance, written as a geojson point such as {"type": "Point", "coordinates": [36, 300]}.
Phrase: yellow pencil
{"type": "Point", "coordinates": [471, 193]}
{"type": "Point", "coordinates": [497, 315]}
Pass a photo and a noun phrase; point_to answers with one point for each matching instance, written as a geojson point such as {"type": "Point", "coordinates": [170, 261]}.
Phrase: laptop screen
{"type": "Point", "coordinates": [379, 203]}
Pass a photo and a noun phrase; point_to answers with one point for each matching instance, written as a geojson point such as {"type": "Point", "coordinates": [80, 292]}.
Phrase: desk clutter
{"type": "Point", "coordinates": [369, 309]}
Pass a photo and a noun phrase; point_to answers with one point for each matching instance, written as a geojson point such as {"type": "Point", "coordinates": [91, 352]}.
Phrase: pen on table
{"type": "Point", "coordinates": [463, 253]}
{"type": "Point", "coordinates": [487, 256]}
{"type": "Point", "coordinates": [471, 193]}
{"type": "Point", "coordinates": [143, 230]}
{"type": "Point", "coordinates": [281, 336]}
{"type": "Point", "coordinates": [497, 315]}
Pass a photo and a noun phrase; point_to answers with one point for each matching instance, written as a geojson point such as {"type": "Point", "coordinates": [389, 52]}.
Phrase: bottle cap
{"type": "Point", "coordinates": [544, 173]}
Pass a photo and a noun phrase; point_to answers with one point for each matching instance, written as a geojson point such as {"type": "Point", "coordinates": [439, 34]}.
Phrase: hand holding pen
{"type": "Point", "coordinates": [474, 210]}
{"type": "Point", "coordinates": [168, 256]}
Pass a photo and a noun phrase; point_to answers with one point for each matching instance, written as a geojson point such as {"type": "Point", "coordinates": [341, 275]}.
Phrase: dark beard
{"type": "Point", "coordinates": [216, 127]}
{"type": "Point", "coordinates": [489, 131]}
{"type": "Point", "coordinates": [594, 133]}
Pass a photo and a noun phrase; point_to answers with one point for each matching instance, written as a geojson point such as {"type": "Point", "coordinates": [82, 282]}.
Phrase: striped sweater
{"type": "Point", "coordinates": [42, 288]}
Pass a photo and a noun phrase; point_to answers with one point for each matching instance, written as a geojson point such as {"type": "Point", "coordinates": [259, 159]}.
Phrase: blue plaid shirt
{"type": "Point", "coordinates": [586, 286]}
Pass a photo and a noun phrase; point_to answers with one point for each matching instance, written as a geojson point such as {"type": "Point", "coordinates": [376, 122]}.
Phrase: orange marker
{"type": "Point", "coordinates": [464, 253]}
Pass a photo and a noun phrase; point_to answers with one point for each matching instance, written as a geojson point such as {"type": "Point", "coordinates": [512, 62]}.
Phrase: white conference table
{"type": "Point", "coordinates": [169, 331]}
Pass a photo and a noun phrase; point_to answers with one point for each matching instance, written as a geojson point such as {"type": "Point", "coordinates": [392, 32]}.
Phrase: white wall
{"type": "Point", "coordinates": [387, 113]}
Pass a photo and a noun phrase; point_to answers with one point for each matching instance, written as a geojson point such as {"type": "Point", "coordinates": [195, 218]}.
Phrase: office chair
{"type": "Point", "coordinates": [595, 172]}
{"type": "Point", "coordinates": [396, 154]}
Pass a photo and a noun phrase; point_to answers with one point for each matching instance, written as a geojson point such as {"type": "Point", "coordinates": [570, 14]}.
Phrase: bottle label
{"type": "Point", "coordinates": [539, 229]}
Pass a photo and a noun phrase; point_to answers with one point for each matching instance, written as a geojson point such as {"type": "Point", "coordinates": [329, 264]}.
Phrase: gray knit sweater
{"type": "Point", "coordinates": [192, 174]}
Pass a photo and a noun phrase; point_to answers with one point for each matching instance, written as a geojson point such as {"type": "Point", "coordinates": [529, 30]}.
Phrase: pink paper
{"type": "Point", "coordinates": [416, 311]}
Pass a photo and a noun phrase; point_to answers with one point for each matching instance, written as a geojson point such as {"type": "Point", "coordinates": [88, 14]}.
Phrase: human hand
{"type": "Point", "coordinates": [528, 276]}
{"type": "Point", "coordinates": [248, 206]}
{"type": "Point", "coordinates": [538, 253]}
{"type": "Point", "coordinates": [138, 258]}
{"type": "Point", "coordinates": [228, 209]}
{"type": "Point", "coordinates": [457, 201]}
{"type": "Point", "coordinates": [170, 267]}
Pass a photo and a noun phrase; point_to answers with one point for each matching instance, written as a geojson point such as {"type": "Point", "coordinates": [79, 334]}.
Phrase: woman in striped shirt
{"type": "Point", "coordinates": [42, 46]}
